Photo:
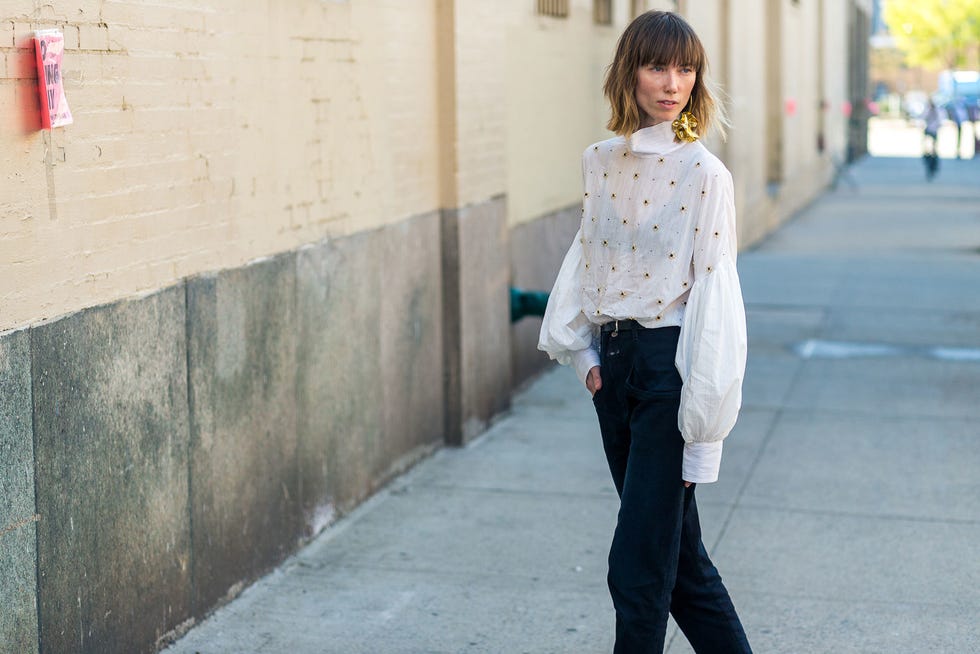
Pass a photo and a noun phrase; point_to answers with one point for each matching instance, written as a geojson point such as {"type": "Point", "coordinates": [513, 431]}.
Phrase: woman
{"type": "Point", "coordinates": [651, 280]}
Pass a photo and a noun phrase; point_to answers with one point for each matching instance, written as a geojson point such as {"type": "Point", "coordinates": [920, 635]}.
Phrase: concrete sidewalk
{"type": "Point", "coordinates": [848, 512]}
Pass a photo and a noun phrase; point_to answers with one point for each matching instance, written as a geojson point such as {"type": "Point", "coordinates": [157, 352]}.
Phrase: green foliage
{"type": "Point", "coordinates": [936, 34]}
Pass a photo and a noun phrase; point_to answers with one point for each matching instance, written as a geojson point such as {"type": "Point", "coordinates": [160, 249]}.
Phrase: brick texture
{"type": "Point", "coordinates": [205, 136]}
{"type": "Point", "coordinates": [213, 133]}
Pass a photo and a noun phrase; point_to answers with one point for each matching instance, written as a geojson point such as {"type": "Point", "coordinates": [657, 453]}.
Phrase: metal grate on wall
{"type": "Point", "coordinates": [556, 8]}
{"type": "Point", "coordinates": [602, 12]}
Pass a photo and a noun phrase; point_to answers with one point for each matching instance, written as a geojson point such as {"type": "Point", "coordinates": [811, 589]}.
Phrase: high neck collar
{"type": "Point", "coordinates": [658, 139]}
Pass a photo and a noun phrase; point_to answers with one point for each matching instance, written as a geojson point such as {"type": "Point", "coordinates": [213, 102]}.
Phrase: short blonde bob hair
{"type": "Point", "coordinates": [659, 37]}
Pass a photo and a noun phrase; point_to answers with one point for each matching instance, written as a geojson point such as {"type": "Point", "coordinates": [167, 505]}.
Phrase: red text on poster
{"type": "Point", "coordinates": [49, 46]}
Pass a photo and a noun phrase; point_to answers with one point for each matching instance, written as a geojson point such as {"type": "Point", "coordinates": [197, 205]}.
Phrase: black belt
{"type": "Point", "coordinates": [620, 325]}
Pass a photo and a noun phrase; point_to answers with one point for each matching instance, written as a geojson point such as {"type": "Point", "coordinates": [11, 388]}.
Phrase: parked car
{"type": "Point", "coordinates": [959, 85]}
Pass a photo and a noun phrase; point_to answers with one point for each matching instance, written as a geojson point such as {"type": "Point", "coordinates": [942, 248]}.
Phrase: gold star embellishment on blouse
{"type": "Point", "coordinates": [646, 275]}
{"type": "Point", "coordinates": [646, 202]}
{"type": "Point", "coordinates": [656, 227]}
{"type": "Point", "coordinates": [717, 234]}
{"type": "Point", "coordinates": [636, 175]}
{"type": "Point", "coordinates": [660, 160]}
{"type": "Point", "coordinates": [626, 221]}
{"type": "Point", "coordinates": [697, 165]}
{"type": "Point", "coordinates": [683, 209]}
{"type": "Point", "coordinates": [673, 183]}
{"type": "Point", "coordinates": [605, 174]}
{"type": "Point", "coordinates": [614, 196]}
{"type": "Point", "coordinates": [671, 255]}
{"type": "Point", "coordinates": [634, 247]}
{"type": "Point", "coordinates": [605, 242]}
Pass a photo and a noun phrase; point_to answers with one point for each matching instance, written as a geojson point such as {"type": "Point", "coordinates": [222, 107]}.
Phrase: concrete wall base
{"type": "Point", "coordinates": [188, 441]}
{"type": "Point", "coordinates": [18, 514]}
{"type": "Point", "coordinates": [476, 317]}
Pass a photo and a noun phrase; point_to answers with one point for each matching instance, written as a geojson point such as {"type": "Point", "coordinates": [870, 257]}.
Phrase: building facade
{"type": "Point", "coordinates": [267, 266]}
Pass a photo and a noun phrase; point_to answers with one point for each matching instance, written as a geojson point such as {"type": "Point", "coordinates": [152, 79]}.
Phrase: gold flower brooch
{"type": "Point", "coordinates": [685, 127]}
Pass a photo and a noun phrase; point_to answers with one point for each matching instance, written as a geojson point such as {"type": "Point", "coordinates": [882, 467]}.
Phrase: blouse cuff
{"type": "Point", "coordinates": [701, 462]}
{"type": "Point", "coordinates": [584, 361]}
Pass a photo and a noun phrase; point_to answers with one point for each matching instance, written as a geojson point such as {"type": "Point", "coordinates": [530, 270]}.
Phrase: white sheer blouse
{"type": "Point", "coordinates": [658, 244]}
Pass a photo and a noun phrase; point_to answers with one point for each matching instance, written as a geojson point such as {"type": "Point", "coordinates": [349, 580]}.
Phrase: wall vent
{"type": "Point", "coordinates": [556, 8]}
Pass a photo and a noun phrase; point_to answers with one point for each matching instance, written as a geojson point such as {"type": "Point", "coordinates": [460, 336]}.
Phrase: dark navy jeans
{"type": "Point", "coordinates": [657, 563]}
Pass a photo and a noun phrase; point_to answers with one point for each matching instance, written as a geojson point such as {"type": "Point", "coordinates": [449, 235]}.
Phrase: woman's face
{"type": "Point", "coordinates": [662, 91]}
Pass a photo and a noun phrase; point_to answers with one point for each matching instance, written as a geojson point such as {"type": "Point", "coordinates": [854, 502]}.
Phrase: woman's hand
{"type": "Point", "coordinates": [687, 484]}
{"type": "Point", "coordinates": [593, 381]}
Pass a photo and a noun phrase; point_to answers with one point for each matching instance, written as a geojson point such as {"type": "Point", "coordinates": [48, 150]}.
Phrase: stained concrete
{"type": "Point", "coordinates": [410, 329]}
{"type": "Point", "coordinates": [245, 489]}
{"type": "Point", "coordinates": [537, 249]}
{"type": "Point", "coordinates": [339, 413]}
{"type": "Point", "coordinates": [190, 440]}
{"type": "Point", "coordinates": [111, 441]}
{"type": "Point", "coordinates": [476, 316]}
{"type": "Point", "coordinates": [18, 515]}
{"type": "Point", "coordinates": [369, 366]}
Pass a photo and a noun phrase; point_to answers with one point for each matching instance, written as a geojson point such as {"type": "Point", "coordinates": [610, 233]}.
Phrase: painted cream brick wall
{"type": "Point", "coordinates": [835, 77]}
{"type": "Point", "coordinates": [206, 135]}
{"type": "Point", "coordinates": [554, 107]}
{"type": "Point", "coordinates": [746, 89]}
{"type": "Point", "coordinates": [212, 133]}
{"type": "Point", "coordinates": [480, 101]}
{"type": "Point", "coordinates": [800, 87]}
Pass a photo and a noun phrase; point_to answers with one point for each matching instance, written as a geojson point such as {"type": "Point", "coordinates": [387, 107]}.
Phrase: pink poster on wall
{"type": "Point", "coordinates": [49, 46]}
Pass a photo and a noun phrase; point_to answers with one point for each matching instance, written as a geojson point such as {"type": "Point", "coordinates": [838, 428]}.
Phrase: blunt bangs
{"type": "Point", "coordinates": [668, 41]}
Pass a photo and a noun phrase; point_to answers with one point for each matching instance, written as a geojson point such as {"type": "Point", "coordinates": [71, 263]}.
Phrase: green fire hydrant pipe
{"type": "Point", "coordinates": [527, 303]}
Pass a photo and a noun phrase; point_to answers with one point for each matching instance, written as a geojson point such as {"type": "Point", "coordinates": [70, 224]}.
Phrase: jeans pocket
{"type": "Point", "coordinates": [647, 387]}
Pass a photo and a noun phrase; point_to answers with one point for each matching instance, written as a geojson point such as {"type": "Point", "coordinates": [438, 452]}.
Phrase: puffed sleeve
{"type": "Point", "coordinates": [712, 347]}
{"type": "Point", "coordinates": [566, 333]}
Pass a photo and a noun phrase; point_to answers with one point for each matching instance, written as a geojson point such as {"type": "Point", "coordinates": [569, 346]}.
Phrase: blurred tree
{"type": "Point", "coordinates": [936, 34]}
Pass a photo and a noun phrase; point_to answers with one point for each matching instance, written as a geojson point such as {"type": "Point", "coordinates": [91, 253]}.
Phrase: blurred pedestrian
{"type": "Point", "coordinates": [933, 117]}
{"type": "Point", "coordinates": [973, 112]}
{"type": "Point", "coordinates": [650, 279]}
